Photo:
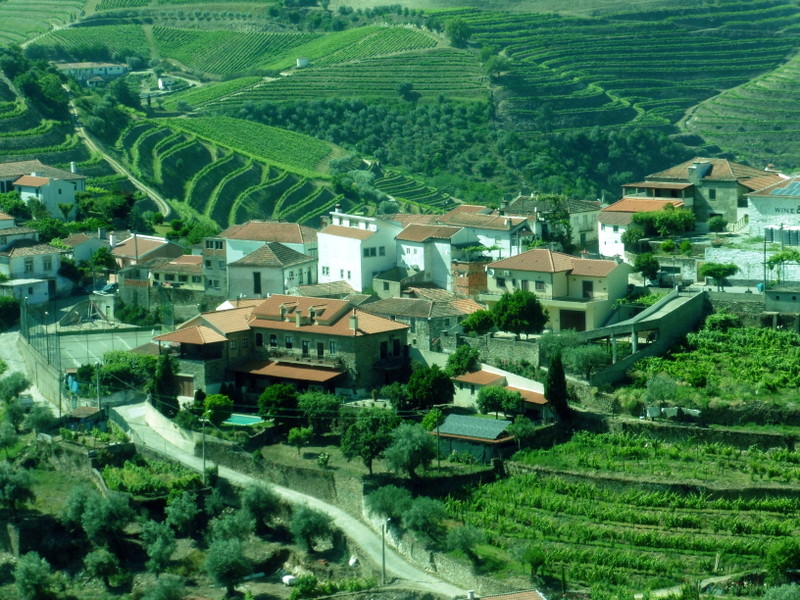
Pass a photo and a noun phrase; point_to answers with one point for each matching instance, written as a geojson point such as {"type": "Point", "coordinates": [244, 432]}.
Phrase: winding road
{"type": "Point", "coordinates": [368, 541]}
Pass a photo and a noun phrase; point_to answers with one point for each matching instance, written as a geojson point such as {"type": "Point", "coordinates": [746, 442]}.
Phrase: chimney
{"type": "Point", "coordinates": [471, 595]}
{"type": "Point", "coordinates": [283, 312]}
{"type": "Point", "coordinates": [73, 168]}
{"type": "Point", "coordinates": [354, 322]}
{"type": "Point", "coordinates": [698, 170]}
{"type": "Point", "coordinates": [508, 222]}
{"type": "Point", "coordinates": [312, 313]}
{"type": "Point", "coordinates": [298, 318]}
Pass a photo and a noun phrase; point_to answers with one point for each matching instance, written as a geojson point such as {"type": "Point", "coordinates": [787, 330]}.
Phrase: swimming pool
{"type": "Point", "coordinates": [236, 419]}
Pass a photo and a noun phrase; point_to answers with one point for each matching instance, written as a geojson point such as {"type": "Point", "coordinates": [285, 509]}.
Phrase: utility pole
{"type": "Point", "coordinates": [204, 450]}
{"type": "Point", "coordinates": [97, 380]}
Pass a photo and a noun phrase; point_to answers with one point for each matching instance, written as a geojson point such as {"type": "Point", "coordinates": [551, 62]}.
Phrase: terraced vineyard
{"type": "Point", "coordinates": [285, 149]}
{"type": "Point", "coordinates": [122, 39]}
{"type": "Point", "coordinates": [200, 97]}
{"type": "Point", "coordinates": [642, 67]}
{"type": "Point", "coordinates": [758, 120]}
{"type": "Point", "coordinates": [411, 194]}
{"type": "Point", "coordinates": [224, 52]}
{"type": "Point", "coordinates": [626, 534]}
{"type": "Point", "coordinates": [193, 165]}
{"type": "Point", "coordinates": [20, 20]}
{"type": "Point", "coordinates": [454, 73]}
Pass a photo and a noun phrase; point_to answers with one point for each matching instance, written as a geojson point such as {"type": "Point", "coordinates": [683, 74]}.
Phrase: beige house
{"type": "Point", "coordinates": [578, 293]}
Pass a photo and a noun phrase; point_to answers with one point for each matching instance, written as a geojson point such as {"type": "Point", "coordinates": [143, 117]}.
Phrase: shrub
{"type": "Point", "coordinates": [668, 246]}
{"type": "Point", "coordinates": [717, 224]}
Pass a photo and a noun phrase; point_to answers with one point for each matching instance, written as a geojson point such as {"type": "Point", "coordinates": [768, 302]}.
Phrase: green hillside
{"type": "Point", "coordinates": [759, 120]}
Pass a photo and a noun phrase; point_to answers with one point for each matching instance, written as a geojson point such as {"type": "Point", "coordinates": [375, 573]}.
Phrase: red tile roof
{"type": "Point", "coordinates": [271, 231]}
{"type": "Point", "coordinates": [283, 371]}
{"type": "Point", "coordinates": [529, 395]}
{"type": "Point", "coordinates": [422, 233]}
{"type": "Point", "coordinates": [461, 209]}
{"type": "Point", "coordinates": [232, 320]}
{"type": "Point", "coordinates": [139, 246]}
{"type": "Point", "coordinates": [198, 335]}
{"type": "Point", "coordinates": [332, 317]}
{"type": "Point", "coordinates": [765, 180]}
{"type": "Point", "coordinates": [348, 232]}
{"type": "Point", "coordinates": [481, 378]}
{"type": "Point", "coordinates": [481, 221]}
{"type": "Point", "coordinates": [634, 205]}
{"type": "Point", "coordinates": [541, 260]}
{"type": "Point", "coordinates": [659, 185]}
{"type": "Point", "coordinates": [31, 181]}
{"type": "Point", "coordinates": [721, 170]}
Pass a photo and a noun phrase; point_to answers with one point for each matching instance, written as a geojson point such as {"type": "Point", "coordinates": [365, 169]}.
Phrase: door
{"type": "Point", "coordinates": [320, 349]}
{"type": "Point", "coordinates": [304, 347]}
{"type": "Point", "coordinates": [573, 319]}
{"type": "Point", "coordinates": [588, 289]}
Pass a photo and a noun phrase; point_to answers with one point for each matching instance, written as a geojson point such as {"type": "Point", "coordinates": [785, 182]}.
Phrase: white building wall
{"type": "Point", "coordinates": [772, 211]}
{"type": "Point", "coordinates": [610, 240]}
{"type": "Point", "coordinates": [56, 192]}
{"type": "Point", "coordinates": [339, 259]}
{"type": "Point", "coordinates": [439, 255]}
{"type": "Point", "coordinates": [411, 255]}
{"type": "Point", "coordinates": [385, 255]}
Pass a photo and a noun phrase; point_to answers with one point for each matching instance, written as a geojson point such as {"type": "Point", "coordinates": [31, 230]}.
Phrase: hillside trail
{"type": "Point", "coordinates": [163, 206]}
{"type": "Point", "coordinates": [359, 533]}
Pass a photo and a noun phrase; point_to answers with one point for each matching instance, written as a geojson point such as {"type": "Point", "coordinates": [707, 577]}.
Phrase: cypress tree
{"type": "Point", "coordinates": [555, 388]}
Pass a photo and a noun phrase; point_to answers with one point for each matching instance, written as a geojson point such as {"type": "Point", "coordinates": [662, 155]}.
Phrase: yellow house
{"type": "Point", "coordinates": [578, 293]}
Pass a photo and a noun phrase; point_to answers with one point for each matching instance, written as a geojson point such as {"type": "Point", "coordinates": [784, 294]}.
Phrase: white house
{"type": "Point", "coordinates": [53, 193]}
{"type": "Point", "coordinates": [615, 219]}
{"type": "Point", "coordinates": [582, 215]}
{"type": "Point", "coordinates": [11, 171]}
{"type": "Point", "coordinates": [429, 248]}
{"type": "Point", "coordinates": [272, 269]}
{"type": "Point", "coordinates": [32, 291]}
{"type": "Point", "coordinates": [86, 70]}
{"type": "Point", "coordinates": [501, 235]}
{"type": "Point", "coordinates": [238, 241]}
{"type": "Point", "coordinates": [84, 245]}
{"type": "Point", "coordinates": [774, 212]}
{"type": "Point", "coordinates": [354, 248]}
{"type": "Point", "coordinates": [28, 259]}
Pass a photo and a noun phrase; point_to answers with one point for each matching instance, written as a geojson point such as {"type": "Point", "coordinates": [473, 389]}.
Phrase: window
{"type": "Point", "coordinates": [218, 245]}
{"type": "Point", "coordinates": [183, 278]}
{"type": "Point", "coordinates": [539, 286]}
{"type": "Point", "coordinates": [208, 264]}
{"type": "Point", "coordinates": [196, 279]}
{"type": "Point", "coordinates": [616, 228]}
{"type": "Point", "coordinates": [29, 265]}
{"type": "Point", "coordinates": [288, 342]}
{"type": "Point", "coordinates": [233, 344]}
{"type": "Point", "coordinates": [259, 340]}
{"type": "Point", "coordinates": [348, 274]}
{"type": "Point", "coordinates": [169, 277]}
{"type": "Point", "coordinates": [341, 273]}
{"type": "Point", "coordinates": [156, 276]}
{"type": "Point", "coordinates": [332, 348]}
{"type": "Point", "coordinates": [210, 244]}
{"type": "Point", "coordinates": [712, 194]}
{"type": "Point", "coordinates": [304, 347]}
{"type": "Point", "coordinates": [326, 271]}
{"type": "Point", "coordinates": [47, 263]}
{"type": "Point", "coordinates": [385, 286]}
{"type": "Point", "coordinates": [501, 282]}
{"type": "Point", "coordinates": [369, 252]}
{"type": "Point", "coordinates": [300, 277]}
{"type": "Point", "coordinates": [273, 340]}
{"type": "Point", "coordinates": [245, 343]}
{"type": "Point", "coordinates": [222, 264]}
{"type": "Point", "coordinates": [256, 282]}
{"type": "Point", "coordinates": [382, 251]}
{"type": "Point", "coordinates": [30, 291]}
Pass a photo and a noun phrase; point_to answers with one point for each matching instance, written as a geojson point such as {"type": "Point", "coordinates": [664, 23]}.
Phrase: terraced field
{"type": "Point", "coordinates": [606, 524]}
{"type": "Point", "coordinates": [642, 67]}
{"type": "Point", "coordinates": [124, 39]}
{"type": "Point", "coordinates": [204, 176]}
{"type": "Point", "coordinates": [201, 97]}
{"type": "Point", "coordinates": [224, 52]}
{"type": "Point", "coordinates": [20, 20]}
{"type": "Point", "coordinates": [411, 194]}
{"type": "Point", "coordinates": [454, 73]}
{"type": "Point", "coordinates": [759, 120]}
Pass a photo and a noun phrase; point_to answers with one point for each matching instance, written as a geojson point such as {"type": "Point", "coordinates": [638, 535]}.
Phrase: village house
{"type": "Point", "coordinates": [578, 293]}
{"type": "Point", "coordinates": [27, 259]}
{"type": "Point", "coordinates": [237, 241]}
{"type": "Point", "coordinates": [323, 343]}
{"type": "Point", "coordinates": [208, 346]}
{"type": "Point", "coordinates": [83, 71]}
{"type": "Point", "coordinates": [82, 246]}
{"type": "Point", "coordinates": [184, 272]}
{"type": "Point", "coordinates": [708, 186]}
{"type": "Point", "coordinates": [774, 212]}
{"type": "Point", "coordinates": [615, 219]}
{"type": "Point", "coordinates": [55, 195]}
{"type": "Point", "coordinates": [429, 250]}
{"type": "Point", "coordinates": [427, 319]}
{"type": "Point", "coordinates": [538, 210]}
{"type": "Point", "coordinates": [139, 248]}
{"type": "Point", "coordinates": [271, 269]}
{"type": "Point", "coordinates": [12, 171]}
{"type": "Point", "coordinates": [354, 248]}
{"type": "Point", "coordinates": [500, 236]}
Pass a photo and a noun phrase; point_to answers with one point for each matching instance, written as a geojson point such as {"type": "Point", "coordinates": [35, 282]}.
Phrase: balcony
{"type": "Point", "coordinates": [296, 357]}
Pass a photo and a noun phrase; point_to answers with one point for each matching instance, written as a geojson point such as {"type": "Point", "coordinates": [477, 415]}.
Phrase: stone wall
{"type": "Point", "coordinates": [41, 372]}
{"type": "Point", "coordinates": [751, 265]}
{"type": "Point", "coordinates": [493, 349]}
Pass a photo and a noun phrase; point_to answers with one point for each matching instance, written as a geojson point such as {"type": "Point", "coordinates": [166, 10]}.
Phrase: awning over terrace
{"type": "Point", "coordinates": [267, 368]}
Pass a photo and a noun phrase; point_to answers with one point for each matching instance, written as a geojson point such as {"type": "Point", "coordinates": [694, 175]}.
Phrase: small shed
{"type": "Point", "coordinates": [302, 62]}
{"type": "Point", "coordinates": [86, 418]}
{"type": "Point", "coordinates": [483, 438]}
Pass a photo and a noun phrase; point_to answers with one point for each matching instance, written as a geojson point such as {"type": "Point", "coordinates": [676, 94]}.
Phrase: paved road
{"type": "Point", "coordinates": [359, 533]}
